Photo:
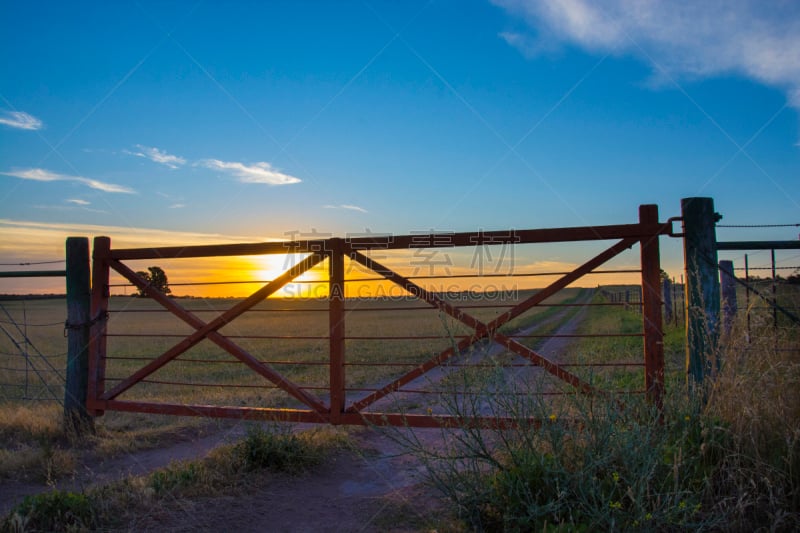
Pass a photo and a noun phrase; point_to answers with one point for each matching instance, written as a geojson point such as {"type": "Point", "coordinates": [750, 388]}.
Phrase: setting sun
{"type": "Point", "coordinates": [266, 268]}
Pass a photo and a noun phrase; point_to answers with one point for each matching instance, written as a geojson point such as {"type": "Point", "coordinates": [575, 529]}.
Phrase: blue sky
{"type": "Point", "coordinates": [253, 120]}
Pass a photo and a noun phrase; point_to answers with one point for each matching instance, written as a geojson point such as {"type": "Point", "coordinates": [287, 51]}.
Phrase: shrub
{"type": "Point", "coordinates": [276, 450]}
{"type": "Point", "coordinates": [591, 466]}
{"type": "Point", "coordinates": [52, 511]}
{"type": "Point", "coordinates": [177, 476]}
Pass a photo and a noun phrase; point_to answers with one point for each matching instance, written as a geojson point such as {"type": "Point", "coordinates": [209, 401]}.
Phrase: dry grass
{"type": "Point", "coordinates": [757, 397]}
{"type": "Point", "coordinates": [731, 463]}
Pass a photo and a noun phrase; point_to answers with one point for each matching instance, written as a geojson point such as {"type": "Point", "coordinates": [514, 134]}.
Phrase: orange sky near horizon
{"type": "Point", "coordinates": [440, 270]}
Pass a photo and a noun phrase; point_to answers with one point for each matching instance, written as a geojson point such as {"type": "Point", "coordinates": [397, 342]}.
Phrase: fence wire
{"type": "Point", "coordinates": [32, 350]}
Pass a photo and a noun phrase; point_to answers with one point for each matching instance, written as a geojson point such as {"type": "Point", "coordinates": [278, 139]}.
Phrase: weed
{"type": "Point", "coordinates": [176, 476]}
{"type": "Point", "coordinates": [281, 451]}
{"type": "Point", "coordinates": [52, 511]}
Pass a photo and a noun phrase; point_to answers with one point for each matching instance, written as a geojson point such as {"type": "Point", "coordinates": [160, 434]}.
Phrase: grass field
{"type": "Point", "coordinates": [384, 339]}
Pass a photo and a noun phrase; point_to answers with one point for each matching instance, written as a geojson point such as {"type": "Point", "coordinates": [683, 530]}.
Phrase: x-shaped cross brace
{"type": "Point", "coordinates": [484, 330]}
{"type": "Point", "coordinates": [209, 331]}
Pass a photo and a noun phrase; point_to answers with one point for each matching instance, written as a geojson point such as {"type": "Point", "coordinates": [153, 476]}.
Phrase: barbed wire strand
{"type": "Point", "coordinates": [29, 263]}
{"type": "Point", "coordinates": [758, 225]}
{"type": "Point", "coordinates": [770, 301]}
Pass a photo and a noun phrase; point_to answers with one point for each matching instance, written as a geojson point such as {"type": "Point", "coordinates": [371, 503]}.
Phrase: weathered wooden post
{"type": "Point", "coordinates": [702, 290]}
{"type": "Point", "coordinates": [666, 291]}
{"type": "Point", "coordinates": [729, 305]}
{"type": "Point", "coordinates": [76, 417]}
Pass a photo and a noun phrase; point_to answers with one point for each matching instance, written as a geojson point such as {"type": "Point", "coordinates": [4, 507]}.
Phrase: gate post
{"type": "Point", "coordinates": [76, 417]}
{"type": "Point", "coordinates": [97, 339]}
{"type": "Point", "coordinates": [651, 307]}
{"type": "Point", "coordinates": [336, 327]}
{"type": "Point", "coordinates": [702, 289]}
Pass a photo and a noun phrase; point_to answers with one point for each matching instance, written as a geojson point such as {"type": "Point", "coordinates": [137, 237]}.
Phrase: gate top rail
{"type": "Point", "coordinates": [390, 242]}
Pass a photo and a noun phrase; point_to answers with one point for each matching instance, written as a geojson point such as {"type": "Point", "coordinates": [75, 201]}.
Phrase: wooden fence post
{"type": "Point", "coordinates": [666, 293]}
{"type": "Point", "coordinates": [336, 328]}
{"type": "Point", "coordinates": [651, 308]}
{"type": "Point", "coordinates": [702, 290]}
{"type": "Point", "coordinates": [76, 417]}
{"type": "Point", "coordinates": [729, 305]}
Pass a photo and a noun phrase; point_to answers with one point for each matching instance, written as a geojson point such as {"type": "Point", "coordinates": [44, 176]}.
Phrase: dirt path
{"type": "Point", "coordinates": [91, 470]}
{"type": "Point", "coordinates": [370, 487]}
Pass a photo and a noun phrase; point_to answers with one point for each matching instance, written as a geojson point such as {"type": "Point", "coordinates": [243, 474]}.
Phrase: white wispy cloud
{"type": "Point", "coordinates": [20, 120]}
{"type": "Point", "coordinates": [45, 207]}
{"type": "Point", "coordinates": [687, 39]}
{"type": "Point", "coordinates": [157, 156]}
{"type": "Point", "coordinates": [177, 206]}
{"type": "Point", "coordinates": [346, 206]}
{"type": "Point", "coordinates": [40, 174]}
{"type": "Point", "coordinates": [76, 201]}
{"type": "Point", "coordinates": [256, 173]}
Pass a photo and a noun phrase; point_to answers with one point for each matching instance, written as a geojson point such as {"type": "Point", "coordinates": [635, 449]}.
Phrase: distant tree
{"type": "Point", "coordinates": [156, 278]}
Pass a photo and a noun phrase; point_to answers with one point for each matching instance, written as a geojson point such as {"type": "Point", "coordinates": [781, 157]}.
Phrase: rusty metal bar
{"type": "Point", "coordinates": [97, 332]}
{"type": "Point", "coordinates": [239, 413]}
{"type": "Point", "coordinates": [545, 363]}
{"type": "Point", "coordinates": [429, 297]}
{"type": "Point", "coordinates": [448, 240]}
{"type": "Point", "coordinates": [529, 236]}
{"type": "Point", "coordinates": [298, 415]}
{"type": "Point", "coordinates": [434, 301]}
{"type": "Point", "coordinates": [336, 328]}
{"type": "Point", "coordinates": [220, 250]}
{"type": "Point", "coordinates": [652, 320]}
{"type": "Point", "coordinates": [561, 283]}
{"type": "Point", "coordinates": [209, 330]}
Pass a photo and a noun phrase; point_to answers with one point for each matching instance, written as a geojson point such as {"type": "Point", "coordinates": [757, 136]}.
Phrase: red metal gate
{"type": "Point", "coordinates": [333, 406]}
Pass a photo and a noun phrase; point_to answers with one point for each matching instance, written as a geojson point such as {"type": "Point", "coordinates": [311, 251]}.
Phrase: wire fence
{"type": "Point", "coordinates": [32, 349]}
{"type": "Point", "coordinates": [760, 295]}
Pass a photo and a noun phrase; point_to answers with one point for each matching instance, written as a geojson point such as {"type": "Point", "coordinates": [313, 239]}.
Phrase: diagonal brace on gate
{"type": "Point", "coordinates": [209, 330]}
{"type": "Point", "coordinates": [481, 330]}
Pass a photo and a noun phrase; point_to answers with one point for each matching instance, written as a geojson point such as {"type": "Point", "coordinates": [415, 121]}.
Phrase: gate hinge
{"type": "Point", "coordinates": [672, 232]}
